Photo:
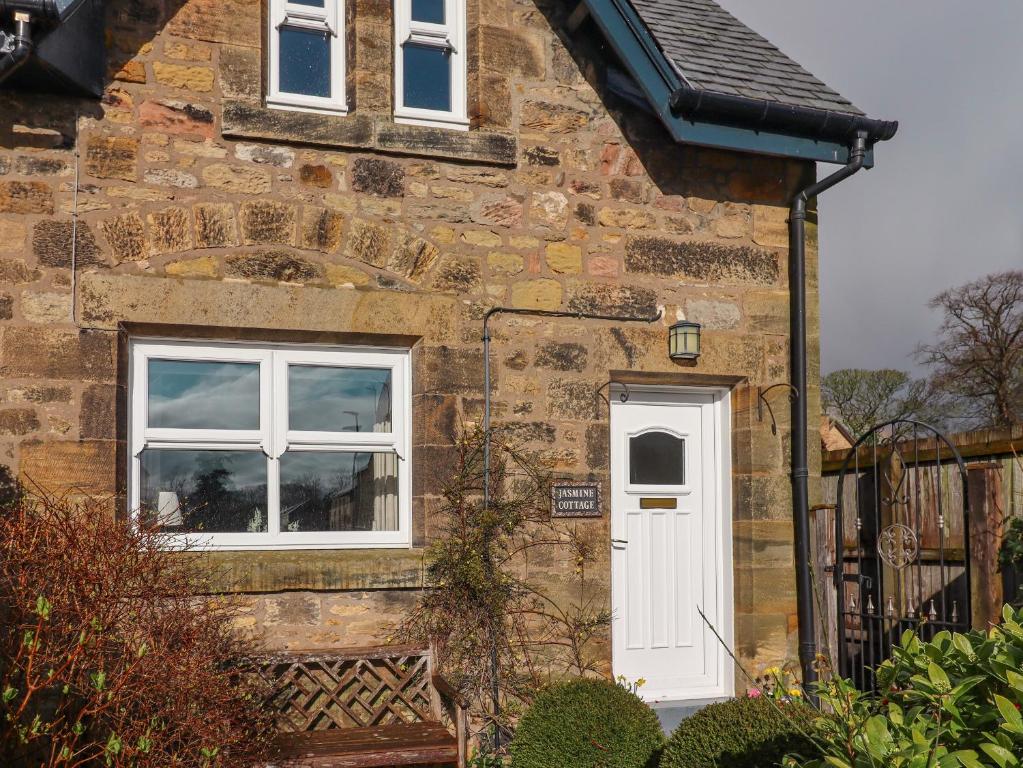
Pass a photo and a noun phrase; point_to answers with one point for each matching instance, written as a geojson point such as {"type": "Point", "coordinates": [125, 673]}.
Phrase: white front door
{"type": "Point", "coordinates": [671, 555]}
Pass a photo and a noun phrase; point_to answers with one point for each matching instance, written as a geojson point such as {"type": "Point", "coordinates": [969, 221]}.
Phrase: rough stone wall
{"type": "Point", "coordinates": [199, 209]}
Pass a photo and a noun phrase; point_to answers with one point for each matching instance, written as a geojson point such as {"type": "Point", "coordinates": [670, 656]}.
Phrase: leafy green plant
{"type": "Point", "coordinates": [952, 701]}
{"type": "Point", "coordinates": [587, 723]}
{"type": "Point", "coordinates": [750, 732]}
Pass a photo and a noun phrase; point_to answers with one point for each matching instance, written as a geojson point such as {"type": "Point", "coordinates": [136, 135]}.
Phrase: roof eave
{"type": "Point", "coordinates": [659, 81]}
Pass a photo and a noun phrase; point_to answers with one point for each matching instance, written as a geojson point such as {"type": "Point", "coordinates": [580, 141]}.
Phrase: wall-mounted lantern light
{"type": "Point", "coordinates": [684, 341]}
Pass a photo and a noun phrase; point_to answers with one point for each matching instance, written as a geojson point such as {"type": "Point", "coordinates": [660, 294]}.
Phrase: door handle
{"type": "Point", "coordinates": [618, 541]}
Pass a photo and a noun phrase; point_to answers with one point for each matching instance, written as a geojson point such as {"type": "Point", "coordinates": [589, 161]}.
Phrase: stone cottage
{"type": "Point", "coordinates": [243, 279]}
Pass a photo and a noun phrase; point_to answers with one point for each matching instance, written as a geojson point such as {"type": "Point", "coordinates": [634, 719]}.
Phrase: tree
{"type": "Point", "coordinates": [861, 398]}
{"type": "Point", "coordinates": [978, 358]}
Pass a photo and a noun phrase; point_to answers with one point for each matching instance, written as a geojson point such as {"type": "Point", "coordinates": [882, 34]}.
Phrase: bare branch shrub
{"type": "Point", "coordinates": [481, 599]}
{"type": "Point", "coordinates": [109, 653]}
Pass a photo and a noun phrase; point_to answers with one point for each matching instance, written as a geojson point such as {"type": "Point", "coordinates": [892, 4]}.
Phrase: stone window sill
{"type": "Point", "coordinates": [333, 570]}
{"type": "Point", "coordinates": [243, 119]}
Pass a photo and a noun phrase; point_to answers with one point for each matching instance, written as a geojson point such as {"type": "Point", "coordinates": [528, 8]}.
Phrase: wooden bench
{"type": "Point", "coordinates": [363, 708]}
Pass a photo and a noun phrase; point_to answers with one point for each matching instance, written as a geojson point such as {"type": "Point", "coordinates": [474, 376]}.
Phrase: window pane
{"type": "Point", "coordinates": [189, 394]}
{"type": "Point", "coordinates": [305, 61]}
{"type": "Point", "coordinates": [427, 73]}
{"type": "Point", "coordinates": [312, 3]}
{"type": "Point", "coordinates": [429, 11]}
{"type": "Point", "coordinates": [657, 458]}
{"type": "Point", "coordinates": [204, 491]}
{"type": "Point", "coordinates": [327, 399]}
{"type": "Point", "coordinates": [323, 491]}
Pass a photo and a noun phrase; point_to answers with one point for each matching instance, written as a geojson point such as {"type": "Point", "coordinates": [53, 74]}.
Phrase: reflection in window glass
{"type": "Point", "coordinates": [339, 491]}
{"type": "Point", "coordinates": [428, 11]}
{"type": "Point", "coordinates": [305, 61]}
{"type": "Point", "coordinates": [204, 491]}
{"type": "Point", "coordinates": [427, 74]}
{"type": "Point", "coordinates": [657, 458]}
{"type": "Point", "coordinates": [186, 394]}
{"type": "Point", "coordinates": [329, 399]}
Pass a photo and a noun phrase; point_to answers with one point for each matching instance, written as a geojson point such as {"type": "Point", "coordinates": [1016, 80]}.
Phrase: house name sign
{"type": "Point", "coordinates": [575, 499]}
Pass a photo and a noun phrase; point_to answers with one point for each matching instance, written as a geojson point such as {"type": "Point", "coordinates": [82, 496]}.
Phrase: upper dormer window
{"type": "Point", "coordinates": [429, 62]}
{"type": "Point", "coordinates": [307, 55]}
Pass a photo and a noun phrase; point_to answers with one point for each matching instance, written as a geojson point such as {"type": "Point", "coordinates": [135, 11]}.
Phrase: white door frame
{"type": "Point", "coordinates": [722, 491]}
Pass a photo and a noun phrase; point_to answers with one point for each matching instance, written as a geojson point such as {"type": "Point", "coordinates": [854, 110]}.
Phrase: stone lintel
{"type": "Point", "coordinates": [248, 120]}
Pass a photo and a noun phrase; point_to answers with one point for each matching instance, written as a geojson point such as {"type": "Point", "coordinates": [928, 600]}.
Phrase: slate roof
{"type": "Point", "coordinates": [716, 52]}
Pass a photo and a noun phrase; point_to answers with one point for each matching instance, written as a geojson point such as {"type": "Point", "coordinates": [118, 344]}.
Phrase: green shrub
{"type": "Point", "coordinates": [953, 701]}
{"type": "Point", "coordinates": [741, 733]}
{"type": "Point", "coordinates": [587, 724]}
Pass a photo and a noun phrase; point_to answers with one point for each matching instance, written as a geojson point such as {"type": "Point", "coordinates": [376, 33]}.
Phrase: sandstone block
{"type": "Point", "coordinates": [542, 156]}
{"type": "Point", "coordinates": [165, 177]}
{"type": "Point", "coordinates": [239, 72]}
{"type": "Point", "coordinates": [41, 166]}
{"type": "Point", "coordinates": [126, 237]}
{"type": "Point", "coordinates": [629, 190]}
{"type": "Point", "coordinates": [572, 400]}
{"type": "Point", "coordinates": [378, 177]}
{"type": "Point", "coordinates": [625, 218]}
{"type": "Point", "coordinates": [435, 419]}
{"type": "Point", "coordinates": [322, 229]}
{"type": "Point", "coordinates": [219, 21]}
{"type": "Point", "coordinates": [112, 157]}
{"type": "Point", "coordinates": [51, 353]}
{"type": "Point", "coordinates": [276, 265]}
{"type": "Point", "coordinates": [170, 230]}
{"type": "Point", "coordinates": [262, 154]}
{"type": "Point", "coordinates": [505, 263]}
{"type": "Point", "coordinates": [176, 117]}
{"type": "Point", "coordinates": [549, 209]}
{"type": "Point", "coordinates": [15, 271]}
{"type": "Point", "coordinates": [552, 118]}
{"type": "Point", "coordinates": [237, 179]}
{"type": "Point", "coordinates": [461, 274]}
{"type": "Point", "coordinates": [51, 244]}
{"type": "Point", "coordinates": [46, 307]}
{"type": "Point", "coordinates": [512, 51]}
{"type": "Point", "coordinates": [612, 299]}
{"type": "Point", "coordinates": [316, 176]}
{"type": "Point", "coordinates": [705, 261]}
{"type": "Point", "coordinates": [204, 266]}
{"type": "Point", "coordinates": [770, 226]}
{"type": "Point", "coordinates": [369, 243]}
{"type": "Point", "coordinates": [561, 356]}
{"type": "Point", "coordinates": [537, 294]}
{"type": "Point", "coordinates": [214, 225]}
{"type": "Point", "coordinates": [450, 370]}
{"type": "Point", "coordinates": [189, 78]}
{"type": "Point", "coordinates": [603, 266]}
{"type": "Point", "coordinates": [714, 314]}
{"type": "Point", "coordinates": [481, 237]}
{"type": "Point", "coordinates": [414, 256]}
{"type": "Point", "coordinates": [6, 306]}
{"type": "Point", "coordinates": [343, 275]}
{"type": "Point", "coordinates": [767, 312]}
{"type": "Point", "coordinates": [483, 176]}
{"type": "Point", "coordinates": [98, 418]}
{"type": "Point", "coordinates": [267, 222]}
{"type": "Point", "coordinates": [564, 258]}
{"type": "Point", "coordinates": [26, 197]}
{"type": "Point", "coordinates": [12, 236]}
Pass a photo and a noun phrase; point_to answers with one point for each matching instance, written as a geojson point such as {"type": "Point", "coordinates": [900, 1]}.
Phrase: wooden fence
{"type": "Point", "coordinates": [994, 463]}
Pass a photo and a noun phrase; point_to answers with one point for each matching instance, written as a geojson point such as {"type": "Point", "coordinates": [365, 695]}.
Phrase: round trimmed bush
{"type": "Point", "coordinates": [587, 724]}
{"type": "Point", "coordinates": [741, 733]}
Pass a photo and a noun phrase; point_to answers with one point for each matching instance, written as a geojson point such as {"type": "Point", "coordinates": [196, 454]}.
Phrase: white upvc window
{"type": "Point", "coordinates": [237, 446]}
{"type": "Point", "coordinates": [307, 55]}
{"type": "Point", "coordinates": [429, 63]}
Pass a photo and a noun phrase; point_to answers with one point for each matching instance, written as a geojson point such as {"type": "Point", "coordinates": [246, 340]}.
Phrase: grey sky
{"type": "Point", "coordinates": [943, 205]}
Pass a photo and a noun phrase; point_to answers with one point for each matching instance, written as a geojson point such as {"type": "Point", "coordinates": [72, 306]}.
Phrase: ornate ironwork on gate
{"type": "Point", "coordinates": [902, 544]}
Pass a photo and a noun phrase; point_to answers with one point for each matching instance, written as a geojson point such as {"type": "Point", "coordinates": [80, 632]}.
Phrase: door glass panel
{"type": "Point", "coordinates": [311, 3]}
{"type": "Point", "coordinates": [329, 399]}
{"type": "Point", "coordinates": [192, 394]}
{"type": "Point", "coordinates": [428, 11]}
{"type": "Point", "coordinates": [305, 61]}
{"type": "Point", "coordinates": [206, 491]}
{"type": "Point", "coordinates": [427, 72]}
{"type": "Point", "coordinates": [339, 491]}
{"type": "Point", "coordinates": [657, 458]}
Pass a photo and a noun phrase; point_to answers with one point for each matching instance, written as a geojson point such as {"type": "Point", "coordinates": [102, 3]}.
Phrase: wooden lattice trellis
{"type": "Point", "coordinates": [354, 688]}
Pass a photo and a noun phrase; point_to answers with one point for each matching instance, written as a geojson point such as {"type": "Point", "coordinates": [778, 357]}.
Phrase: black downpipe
{"type": "Point", "coordinates": [11, 61]}
{"type": "Point", "coordinates": [800, 470]}
{"type": "Point", "coordinates": [790, 119]}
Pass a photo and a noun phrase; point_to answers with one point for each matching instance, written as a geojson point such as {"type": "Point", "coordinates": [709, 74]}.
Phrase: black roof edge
{"type": "Point", "coordinates": [761, 114]}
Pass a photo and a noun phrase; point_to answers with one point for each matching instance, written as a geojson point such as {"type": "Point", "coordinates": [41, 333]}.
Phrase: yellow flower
{"type": "Point", "coordinates": [795, 693]}
{"type": "Point", "coordinates": [773, 671]}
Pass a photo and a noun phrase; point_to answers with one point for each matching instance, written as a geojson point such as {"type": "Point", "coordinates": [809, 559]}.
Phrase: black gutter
{"type": "Point", "coordinates": [797, 344]}
{"type": "Point", "coordinates": [772, 116]}
{"type": "Point", "coordinates": [12, 60]}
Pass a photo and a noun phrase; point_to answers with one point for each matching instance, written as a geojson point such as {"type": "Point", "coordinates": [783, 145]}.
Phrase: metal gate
{"type": "Point", "coordinates": [902, 544]}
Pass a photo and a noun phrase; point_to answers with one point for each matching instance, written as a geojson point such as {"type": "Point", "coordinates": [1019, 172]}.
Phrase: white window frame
{"type": "Point", "coordinates": [273, 438]}
{"type": "Point", "coordinates": [449, 36]}
{"type": "Point", "coordinates": [330, 18]}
